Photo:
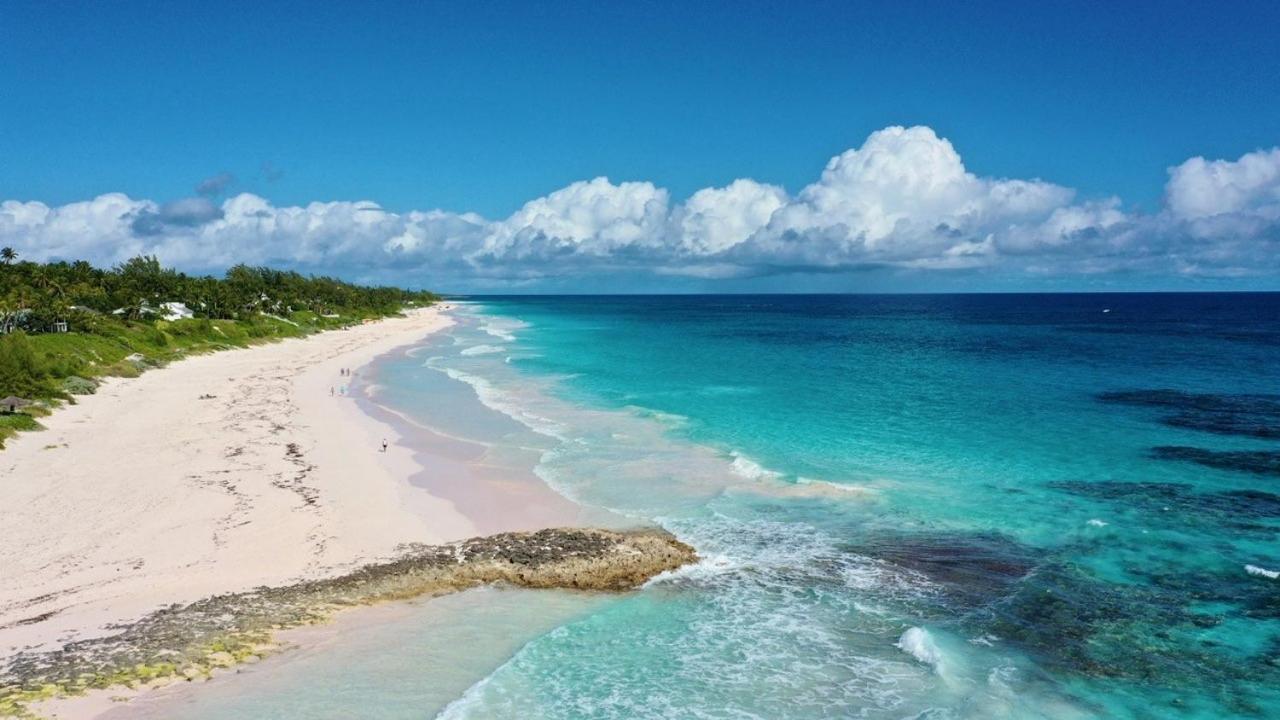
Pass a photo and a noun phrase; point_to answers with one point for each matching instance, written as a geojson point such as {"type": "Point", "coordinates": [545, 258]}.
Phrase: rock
{"type": "Point", "coordinates": [165, 643]}
{"type": "Point", "coordinates": [221, 659]}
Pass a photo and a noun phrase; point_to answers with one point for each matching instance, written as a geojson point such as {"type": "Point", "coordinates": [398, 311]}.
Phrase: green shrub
{"type": "Point", "coordinates": [192, 328]}
{"type": "Point", "coordinates": [155, 336]}
{"type": "Point", "coordinates": [21, 372]}
{"type": "Point", "coordinates": [11, 424]}
{"type": "Point", "coordinates": [259, 330]}
{"type": "Point", "coordinates": [124, 369]}
{"type": "Point", "coordinates": [76, 385]}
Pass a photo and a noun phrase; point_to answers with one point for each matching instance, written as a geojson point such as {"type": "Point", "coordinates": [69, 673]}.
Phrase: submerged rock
{"type": "Point", "coordinates": [1256, 462]}
{"type": "Point", "coordinates": [1228, 506]}
{"type": "Point", "coordinates": [969, 569]}
{"type": "Point", "coordinates": [1251, 415]}
{"type": "Point", "coordinates": [190, 640]}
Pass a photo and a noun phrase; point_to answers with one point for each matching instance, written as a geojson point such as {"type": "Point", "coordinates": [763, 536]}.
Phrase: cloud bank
{"type": "Point", "coordinates": [903, 200]}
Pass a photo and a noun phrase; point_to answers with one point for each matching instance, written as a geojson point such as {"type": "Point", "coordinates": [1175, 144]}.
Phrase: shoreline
{"type": "Point", "coordinates": [146, 494]}
{"type": "Point", "coordinates": [299, 456]}
{"type": "Point", "coordinates": [496, 496]}
{"type": "Point", "coordinates": [295, 445]}
{"type": "Point", "coordinates": [194, 642]}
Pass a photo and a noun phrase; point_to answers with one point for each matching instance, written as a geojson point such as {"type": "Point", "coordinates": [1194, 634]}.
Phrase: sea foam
{"type": "Point", "coordinates": [1262, 572]}
{"type": "Point", "coordinates": [482, 350]}
{"type": "Point", "coordinates": [917, 643]}
{"type": "Point", "coordinates": [747, 468]}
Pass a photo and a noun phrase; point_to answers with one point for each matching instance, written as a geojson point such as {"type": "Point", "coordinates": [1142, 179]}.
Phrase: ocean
{"type": "Point", "coordinates": [935, 506]}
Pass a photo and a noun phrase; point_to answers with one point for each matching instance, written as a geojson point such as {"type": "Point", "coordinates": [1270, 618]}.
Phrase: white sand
{"type": "Point", "coordinates": [144, 495]}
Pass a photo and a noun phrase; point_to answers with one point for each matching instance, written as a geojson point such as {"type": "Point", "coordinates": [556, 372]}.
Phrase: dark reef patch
{"type": "Point", "coordinates": [1073, 622]}
{"type": "Point", "coordinates": [1251, 415]}
{"type": "Point", "coordinates": [1255, 462]}
{"type": "Point", "coordinates": [1234, 507]}
{"type": "Point", "coordinates": [971, 570]}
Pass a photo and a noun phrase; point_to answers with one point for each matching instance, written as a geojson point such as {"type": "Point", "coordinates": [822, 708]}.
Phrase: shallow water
{"type": "Point", "coordinates": [386, 663]}
{"type": "Point", "coordinates": [941, 506]}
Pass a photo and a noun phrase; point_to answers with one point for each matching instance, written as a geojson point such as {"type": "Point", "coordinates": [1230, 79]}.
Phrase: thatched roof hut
{"type": "Point", "coordinates": [11, 404]}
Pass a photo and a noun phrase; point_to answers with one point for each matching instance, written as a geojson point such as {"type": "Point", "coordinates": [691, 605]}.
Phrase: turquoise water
{"type": "Point", "coordinates": [908, 507]}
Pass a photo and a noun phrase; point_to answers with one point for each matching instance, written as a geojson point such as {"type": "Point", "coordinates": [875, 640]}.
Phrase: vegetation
{"type": "Point", "coordinates": [63, 325]}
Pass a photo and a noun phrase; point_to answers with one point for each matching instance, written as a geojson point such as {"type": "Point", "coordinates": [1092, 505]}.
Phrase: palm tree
{"type": "Point", "coordinates": [8, 255]}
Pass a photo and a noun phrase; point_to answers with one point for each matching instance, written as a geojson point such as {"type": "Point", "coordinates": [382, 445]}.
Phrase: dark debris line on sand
{"type": "Point", "coordinates": [189, 641]}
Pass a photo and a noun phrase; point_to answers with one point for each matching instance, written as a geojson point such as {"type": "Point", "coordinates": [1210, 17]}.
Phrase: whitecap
{"type": "Point", "coordinates": [917, 643]}
{"type": "Point", "coordinates": [502, 328]}
{"type": "Point", "coordinates": [495, 399]}
{"type": "Point", "coordinates": [708, 566]}
{"type": "Point", "coordinates": [482, 350]}
{"type": "Point", "coordinates": [1095, 522]}
{"type": "Point", "coordinates": [672, 420]}
{"type": "Point", "coordinates": [828, 488]}
{"type": "Point", "coordinates": [747, 468]}
{"type": "Point", "coordinates": [1262, 572]}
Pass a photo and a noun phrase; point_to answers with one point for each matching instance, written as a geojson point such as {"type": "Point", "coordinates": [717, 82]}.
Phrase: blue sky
{"type": "Point", "coordinates": [483, 107]}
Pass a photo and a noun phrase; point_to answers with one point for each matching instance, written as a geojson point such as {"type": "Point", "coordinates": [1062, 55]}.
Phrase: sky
{"type": "Point", "coordinates": [564, 147]}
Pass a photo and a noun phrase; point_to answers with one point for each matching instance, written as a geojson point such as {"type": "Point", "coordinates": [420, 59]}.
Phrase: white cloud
{"type": "Point", "coordinates": [1200, 188]}
{"type": "Point", "coordinates": [597, 210]}
{"type": "Point", "coordinates": [716, 219]}
{"type": "Point", "coordinates": [902, 199]}
{"type": "Point", "coordinates": [98, 229]}
{"type": "Point", "coordinates": [903, 183]}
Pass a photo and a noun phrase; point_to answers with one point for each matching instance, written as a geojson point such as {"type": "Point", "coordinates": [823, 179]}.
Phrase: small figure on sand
{"type": "Point", "coordinates": [330, 391]}
{"type": "Point", "coordinates": [384, 445]}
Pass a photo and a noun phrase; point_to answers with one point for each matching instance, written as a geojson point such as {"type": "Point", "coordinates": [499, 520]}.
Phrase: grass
{"type": "Point", "coordinates": [11, 425]}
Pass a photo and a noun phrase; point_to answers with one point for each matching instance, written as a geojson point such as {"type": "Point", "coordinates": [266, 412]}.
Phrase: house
{"type": "Point", "coordinates": [175, 311]}
{"type": "Point", "coordinates": [166, 311]}
{"type": "Point", "coordinates": [26, 320]}
{"type": "Point", "coordinates": [16, 320]}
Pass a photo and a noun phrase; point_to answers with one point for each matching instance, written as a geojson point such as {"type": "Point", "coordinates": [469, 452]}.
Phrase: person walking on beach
{"type": "Point", "coordinates": [384, 444]}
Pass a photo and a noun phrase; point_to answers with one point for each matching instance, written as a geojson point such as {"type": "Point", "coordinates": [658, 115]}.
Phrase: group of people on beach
{"type": "Point", "coordinates": [342, 390]}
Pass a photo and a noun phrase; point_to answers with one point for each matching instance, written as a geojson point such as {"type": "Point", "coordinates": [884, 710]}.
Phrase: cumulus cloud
{"type": "Point", "coordinates": [1200, 188]}
{"type": "Point", "coordinates": [907, 183]}
{"type": "Point", "coordinates": [903, 199]}
{"type": "Point", "coordinates": [716, 219]}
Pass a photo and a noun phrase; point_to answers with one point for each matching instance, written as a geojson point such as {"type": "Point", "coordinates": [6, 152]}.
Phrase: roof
{"type": "Point", "coordinates": [11, 400]}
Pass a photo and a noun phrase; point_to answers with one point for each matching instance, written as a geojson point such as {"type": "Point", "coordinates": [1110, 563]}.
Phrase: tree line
{"type": "Point", "coordinates": [36, 296]}
{"type": "Point", "coordinates": [63, 325]}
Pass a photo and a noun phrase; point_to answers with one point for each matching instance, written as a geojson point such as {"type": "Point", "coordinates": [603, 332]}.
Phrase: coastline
{"type": "Point", "coordinates": [195, 642]}
{"type": "Point", "coordinates": [172, 499]}
{"type": "Point", "coordinates": [147, 494]}
{"type": "Point", "coordinates": [495, 494]}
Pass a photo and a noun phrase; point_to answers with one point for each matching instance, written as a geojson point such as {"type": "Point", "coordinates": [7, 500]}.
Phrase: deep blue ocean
{"type": "Point", "coordinates": [981, 506]}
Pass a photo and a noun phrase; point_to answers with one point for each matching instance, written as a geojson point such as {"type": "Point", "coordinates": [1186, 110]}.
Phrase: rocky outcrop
{"type": "Point", "coordinates": [189, 641]}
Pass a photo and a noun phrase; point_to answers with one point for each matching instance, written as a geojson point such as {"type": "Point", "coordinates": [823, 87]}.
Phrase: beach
{"type": "Point", "coordinates": [217, 474]}
{"type": "Point", "coordinates": [913, 541]}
